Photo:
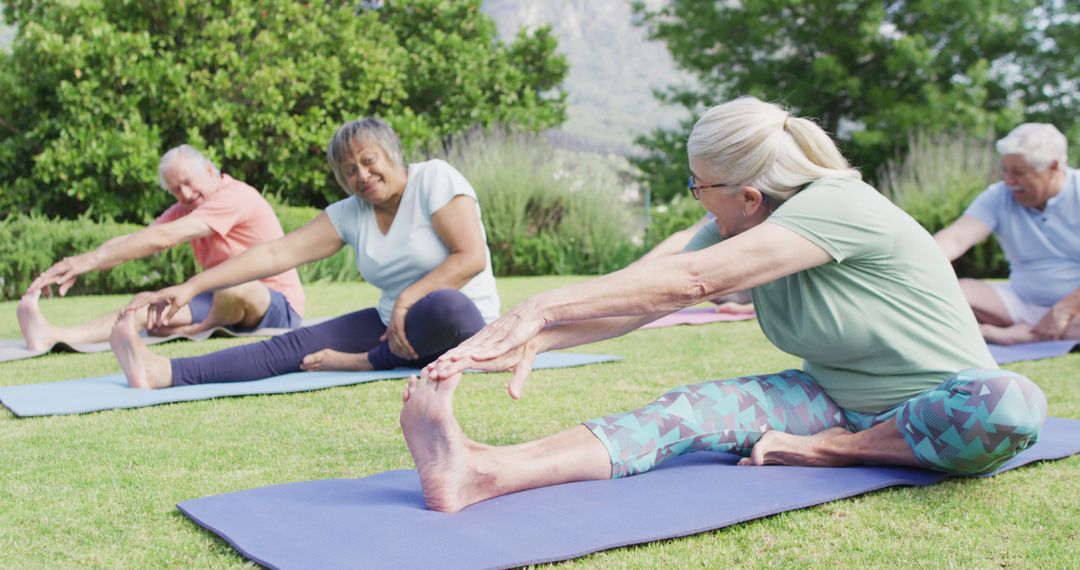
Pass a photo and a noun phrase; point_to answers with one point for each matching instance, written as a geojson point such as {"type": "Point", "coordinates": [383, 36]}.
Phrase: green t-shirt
{"type": "Point", "coordinates": [881, 323]}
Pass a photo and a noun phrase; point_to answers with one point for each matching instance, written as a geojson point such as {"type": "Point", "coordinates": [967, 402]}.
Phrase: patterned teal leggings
{"type": "Point", "coordinates": [972, 423]}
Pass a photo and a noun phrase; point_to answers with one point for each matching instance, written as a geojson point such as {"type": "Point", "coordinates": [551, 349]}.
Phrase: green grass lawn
{"type": "Point", "coordinates": [98, 490]}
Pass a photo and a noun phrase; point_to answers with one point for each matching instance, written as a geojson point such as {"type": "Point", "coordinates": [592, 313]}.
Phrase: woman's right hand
{"type": "Point", "coordinates": [518, 360]}
{"type": "Point", "coordinates": [161, 305]}
{"type": "Point", "coordinates": [494, 345]}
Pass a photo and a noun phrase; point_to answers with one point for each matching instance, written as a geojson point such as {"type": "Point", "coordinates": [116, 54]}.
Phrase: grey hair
{"type": "Point", "coordinates": [369, 130]}
{"type": "Point", "coordinates": [747, 142]}
{"type": "Point", "coordinates": [1040, 144]}
{"type": "Point", "coordinates": [183, 151]}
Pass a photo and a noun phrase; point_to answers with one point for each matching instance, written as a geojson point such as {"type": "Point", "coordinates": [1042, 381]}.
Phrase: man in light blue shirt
{"type": "Point", "coordinates": [1035, 214]}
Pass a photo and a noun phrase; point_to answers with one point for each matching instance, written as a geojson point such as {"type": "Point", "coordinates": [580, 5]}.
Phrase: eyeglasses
{"type": "Point", "coordinates": [695, 190]}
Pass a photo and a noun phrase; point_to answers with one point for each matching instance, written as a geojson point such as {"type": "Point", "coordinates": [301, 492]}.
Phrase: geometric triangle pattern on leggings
{"type": "Point", "coordinates": [380, 521]}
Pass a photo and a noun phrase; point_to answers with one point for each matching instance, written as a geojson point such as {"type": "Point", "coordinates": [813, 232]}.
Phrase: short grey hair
{"type": "Point", "coordinates": [185, 151]}
{"type": "Point", "coordinates": [748, 142]}
{"type": "Point", "coordinates": [1040, 144]}
{"type": "Point", "coordinates": [369, 130]}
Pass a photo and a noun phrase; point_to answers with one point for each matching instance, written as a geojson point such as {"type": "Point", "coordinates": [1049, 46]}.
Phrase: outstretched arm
{"type": "Point", "coordinates": [652, 287]}
{"type": "Point", "coordinates": [145, 242]}
{"type": "Point", "coordinates": [675, 242]}
{"type": "Point", "coordinates": [315, 240]}
{"type": "Point", "coordinates": [961, 235]}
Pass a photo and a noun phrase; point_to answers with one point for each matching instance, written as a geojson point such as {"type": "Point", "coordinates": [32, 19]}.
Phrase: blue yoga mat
{"type": "Point", "coordinates": [110, 392]}
{"type": "Point", "coordinates": [380, 521]}
{"type": "Point", "coordinates": [1004, 354]}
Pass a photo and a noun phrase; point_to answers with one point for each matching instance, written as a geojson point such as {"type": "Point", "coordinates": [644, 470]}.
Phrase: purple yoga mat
{"type": "Point", "coordinates": [380, 521]}
{"type": "Point", "coordinates": [1004, 354]}
{"type": "Point", "coordinates": [696, 316]}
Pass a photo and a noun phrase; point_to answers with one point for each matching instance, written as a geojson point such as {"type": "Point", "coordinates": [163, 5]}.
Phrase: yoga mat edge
{"type": "Point", "coordinates": [111, 392]}
{"type": "Point", "coordinates": [518, 515]}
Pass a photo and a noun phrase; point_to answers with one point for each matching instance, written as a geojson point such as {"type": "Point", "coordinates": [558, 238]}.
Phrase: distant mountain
{"type": "Point", "coordinates": [613, 68]}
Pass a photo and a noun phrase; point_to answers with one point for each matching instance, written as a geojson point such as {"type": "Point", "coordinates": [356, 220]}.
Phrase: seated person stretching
{"type": "Point", "coordinates": [418, 237]}
{"type": "Point", "coordinates": [221, 217]}
{"type": "Point", "coordinates": [894, 370]}
{"type": "Point", "coordinates": [1035, 214]}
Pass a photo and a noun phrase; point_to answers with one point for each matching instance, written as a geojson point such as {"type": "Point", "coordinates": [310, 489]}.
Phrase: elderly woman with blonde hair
{"type": "Point", "coordinates": [895, 370]}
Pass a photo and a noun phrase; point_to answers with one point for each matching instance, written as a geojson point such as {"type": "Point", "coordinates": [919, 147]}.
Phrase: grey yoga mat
{"type": "Point", "coordinates": [110, 392]}
{"type": "Point", "coordinates": [16, 349]}
{"type": "Point", "coordinates": [380, 521]}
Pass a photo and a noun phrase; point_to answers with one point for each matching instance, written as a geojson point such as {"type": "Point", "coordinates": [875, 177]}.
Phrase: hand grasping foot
{"type": "Point", "coordinates": [143, 368]}
{"type": "Point", "coordinates": [37, 331]}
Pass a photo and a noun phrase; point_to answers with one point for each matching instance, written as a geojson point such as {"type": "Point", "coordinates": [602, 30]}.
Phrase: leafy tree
{"type": "Point", "coordinates": [1053, 70]}
{"type": "Point", "coordinates": [870, 70]}
{"type": "Point", "coordinates": [94, 91]}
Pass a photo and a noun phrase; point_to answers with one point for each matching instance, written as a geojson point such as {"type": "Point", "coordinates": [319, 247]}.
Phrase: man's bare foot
{"type": "Point", "coordinates": [143, 368]}
{"type": "Point", "coordinates": [445, 458]}
{"type": "Point", "coordinates": [818, 450]}
{"type": "Point", "coordinates": [39, 334]}
{"type": "Point", "coordinates": [329, 359]}
{"type": "Point", "coordinates": [1008, 335]}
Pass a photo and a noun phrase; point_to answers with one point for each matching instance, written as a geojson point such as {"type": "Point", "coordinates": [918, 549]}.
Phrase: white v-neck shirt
{"type": "Point", "coordinates": [411, 248]}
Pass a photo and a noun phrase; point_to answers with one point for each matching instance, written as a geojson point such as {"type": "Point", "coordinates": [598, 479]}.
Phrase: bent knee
{"type": "Point", "coordinates": [1007, 412]}
{"type": "Point", "coordinates": [445, 307]}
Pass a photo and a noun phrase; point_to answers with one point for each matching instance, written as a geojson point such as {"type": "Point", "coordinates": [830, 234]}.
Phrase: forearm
{"type": "Point", "coordinates": [951, 249]}
{"type": "Point", "coordinates": [453, 273]}
{"type": "Point", "coordinates": [256, 263]}
{"type": "Point", "coordinates": [1069, 305]}
{"type": "Point", "coordinates": [117, 250]}
{"type": "Point", "coordinates": [658, 286]}
{"type": "Point", "coordinates": [567, 335]}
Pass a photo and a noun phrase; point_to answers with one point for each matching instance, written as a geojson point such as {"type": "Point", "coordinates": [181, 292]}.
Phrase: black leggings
{"type": "Point", "coordinates": [435, 324]}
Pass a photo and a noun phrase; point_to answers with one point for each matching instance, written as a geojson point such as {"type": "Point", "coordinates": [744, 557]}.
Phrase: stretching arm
{"type": "Point", "coordinates": [961, 236]}
{"type": "Point", "coordinates": [143, 243]}
{"type": "Point", "coordinates": [651, 287]}
{"type": "Point", "coordinates": [315, 240]}
{"type": "Point", "coordinates": [1055, 323]}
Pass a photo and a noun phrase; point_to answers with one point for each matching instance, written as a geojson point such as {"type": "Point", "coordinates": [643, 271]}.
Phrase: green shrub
{"type": "Point", "coordinates": [30, 244]}
{"type": "Point", "coordinates": [678, 214]}
{"type": "Point", "coordinates": [93, 93]}
{"type": "Point", "coordinates": [935, 183]}
{"type": "Point", "coordinates": [547, 211]}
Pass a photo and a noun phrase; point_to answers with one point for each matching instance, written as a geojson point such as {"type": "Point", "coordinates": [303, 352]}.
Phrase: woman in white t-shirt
{"type": "Point", "coordinates": [418, 237]}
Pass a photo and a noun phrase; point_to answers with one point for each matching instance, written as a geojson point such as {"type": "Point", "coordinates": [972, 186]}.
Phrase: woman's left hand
{"type": "Point", "coordinates": [395, 334]}
{"type": "Point", "coordinates": [1053, 325]}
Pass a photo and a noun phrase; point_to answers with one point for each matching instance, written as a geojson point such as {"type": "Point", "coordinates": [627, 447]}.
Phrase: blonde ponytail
{"type": "Point", "coordinates": [747, 142]}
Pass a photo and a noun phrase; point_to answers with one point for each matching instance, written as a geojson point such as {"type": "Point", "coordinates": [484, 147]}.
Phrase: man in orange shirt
{"type": "Point", "coordinates": [221, 217]}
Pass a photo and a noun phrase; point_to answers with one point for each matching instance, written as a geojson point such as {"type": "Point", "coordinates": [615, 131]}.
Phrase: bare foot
{"type": "Point", "coordinates": [329, 359]}
{"type": "Point", "coordinates": [37, 331]}
{"type": "Point", "coordinates": [1008, 335]}
{"type": "Point", "coordinates": [445, 458]}
{"type": "Point", "coordinates": [735, 308]}
{"type": "Point", "coordinates": [143, 368]}
{"type": "Point", "coordinates": [779, 448]}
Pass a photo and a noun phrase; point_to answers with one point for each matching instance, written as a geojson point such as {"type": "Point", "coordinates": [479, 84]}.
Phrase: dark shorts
{"type": "Point", "coordinates": [279, 315]}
